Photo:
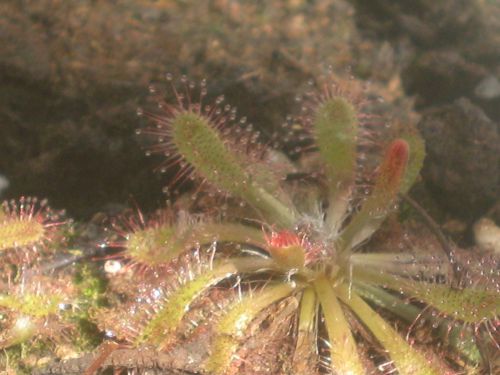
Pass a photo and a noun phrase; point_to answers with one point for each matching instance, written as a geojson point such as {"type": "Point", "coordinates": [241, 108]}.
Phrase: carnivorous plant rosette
{"type": "Point", "coordinates": [284, 245]}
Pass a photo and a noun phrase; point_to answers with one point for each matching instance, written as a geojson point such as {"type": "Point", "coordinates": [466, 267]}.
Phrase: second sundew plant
{"type": "Point", "coordinates": [281, 248]}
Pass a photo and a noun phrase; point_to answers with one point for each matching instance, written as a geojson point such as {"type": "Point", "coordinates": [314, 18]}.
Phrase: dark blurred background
{"type": "Point", "coordinates": [72, 74]}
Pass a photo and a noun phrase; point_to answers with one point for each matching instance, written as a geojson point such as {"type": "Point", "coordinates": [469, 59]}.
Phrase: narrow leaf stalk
{"type": "Point", "coordinates": [344, 355]}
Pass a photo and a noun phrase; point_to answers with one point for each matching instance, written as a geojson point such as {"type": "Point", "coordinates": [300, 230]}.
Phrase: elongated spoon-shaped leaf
{"type": "Point", "coordinates": [470, 305]}
{"type": "Point", "coordinates": [202, 147]}
{"type": "Point", "coordinates": [233, 325]}
{"type": "Point", "coordinates": [160, 329]}
{"type": "Point", "coordinates": [335, 126]}
{"type": "Point", "coordinates": [161, 244]}
{"type": "Point", "coordinates": [407, 360]}
{"type": "Point", "coordinates": [305, 355]}
{"type": "Point", "coordinates": [459, 338]}
{"type": "Point", "coordinates": [415, 160]}
{"type": "Point", "coordinates": [378, 204]}
{"type": "Point", "coordinates": [343, 352]}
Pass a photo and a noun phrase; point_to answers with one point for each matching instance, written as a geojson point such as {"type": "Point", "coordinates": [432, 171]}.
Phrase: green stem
{"type": "Point", "coordinates": [461, 339]}
{"type": "Point", "coordinates": [162, 244]}
{"type": "Point", "coordinates": [227, 232]}
{"type": "Point", "coordinates": [403, 264]}
{"type": "Point", "coordinates": [308, 306]}
{"type": "Point", "coordinates": [343, 352]}
{"type": "Point", "coordinates": [388, 301]}
{"type": "Point", "coordinates": [305, 348]}
{"type": "Point", "coordinates": [273, 209]}
{"type": "Point", "coordinates": [368, 275]}
{"type": "Point", "coordinates": [407, 360]}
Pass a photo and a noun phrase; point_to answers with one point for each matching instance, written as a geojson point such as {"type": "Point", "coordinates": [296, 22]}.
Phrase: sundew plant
{"type": "Point", "coordinates": [267, 241]}
{"type": "Point", "coordinates": [267, 264]}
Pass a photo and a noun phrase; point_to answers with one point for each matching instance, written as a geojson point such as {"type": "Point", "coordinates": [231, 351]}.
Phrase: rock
{"type": "Point", "coordinates": [72, 75]}
{"type": "Point", "coordinates": [425, 22]}
{"type": "Point", "coordinates": [462, 168]}
{"type": "Point", "coordinates": [487, 235]}
{"type": "Point", "coordinates": [438, 77]}
{"type": "Point", "coordinates": [488, 88]}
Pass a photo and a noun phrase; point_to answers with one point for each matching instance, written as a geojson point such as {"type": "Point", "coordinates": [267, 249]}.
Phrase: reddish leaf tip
{"type": "Point", "coordinates": [394, 164]}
